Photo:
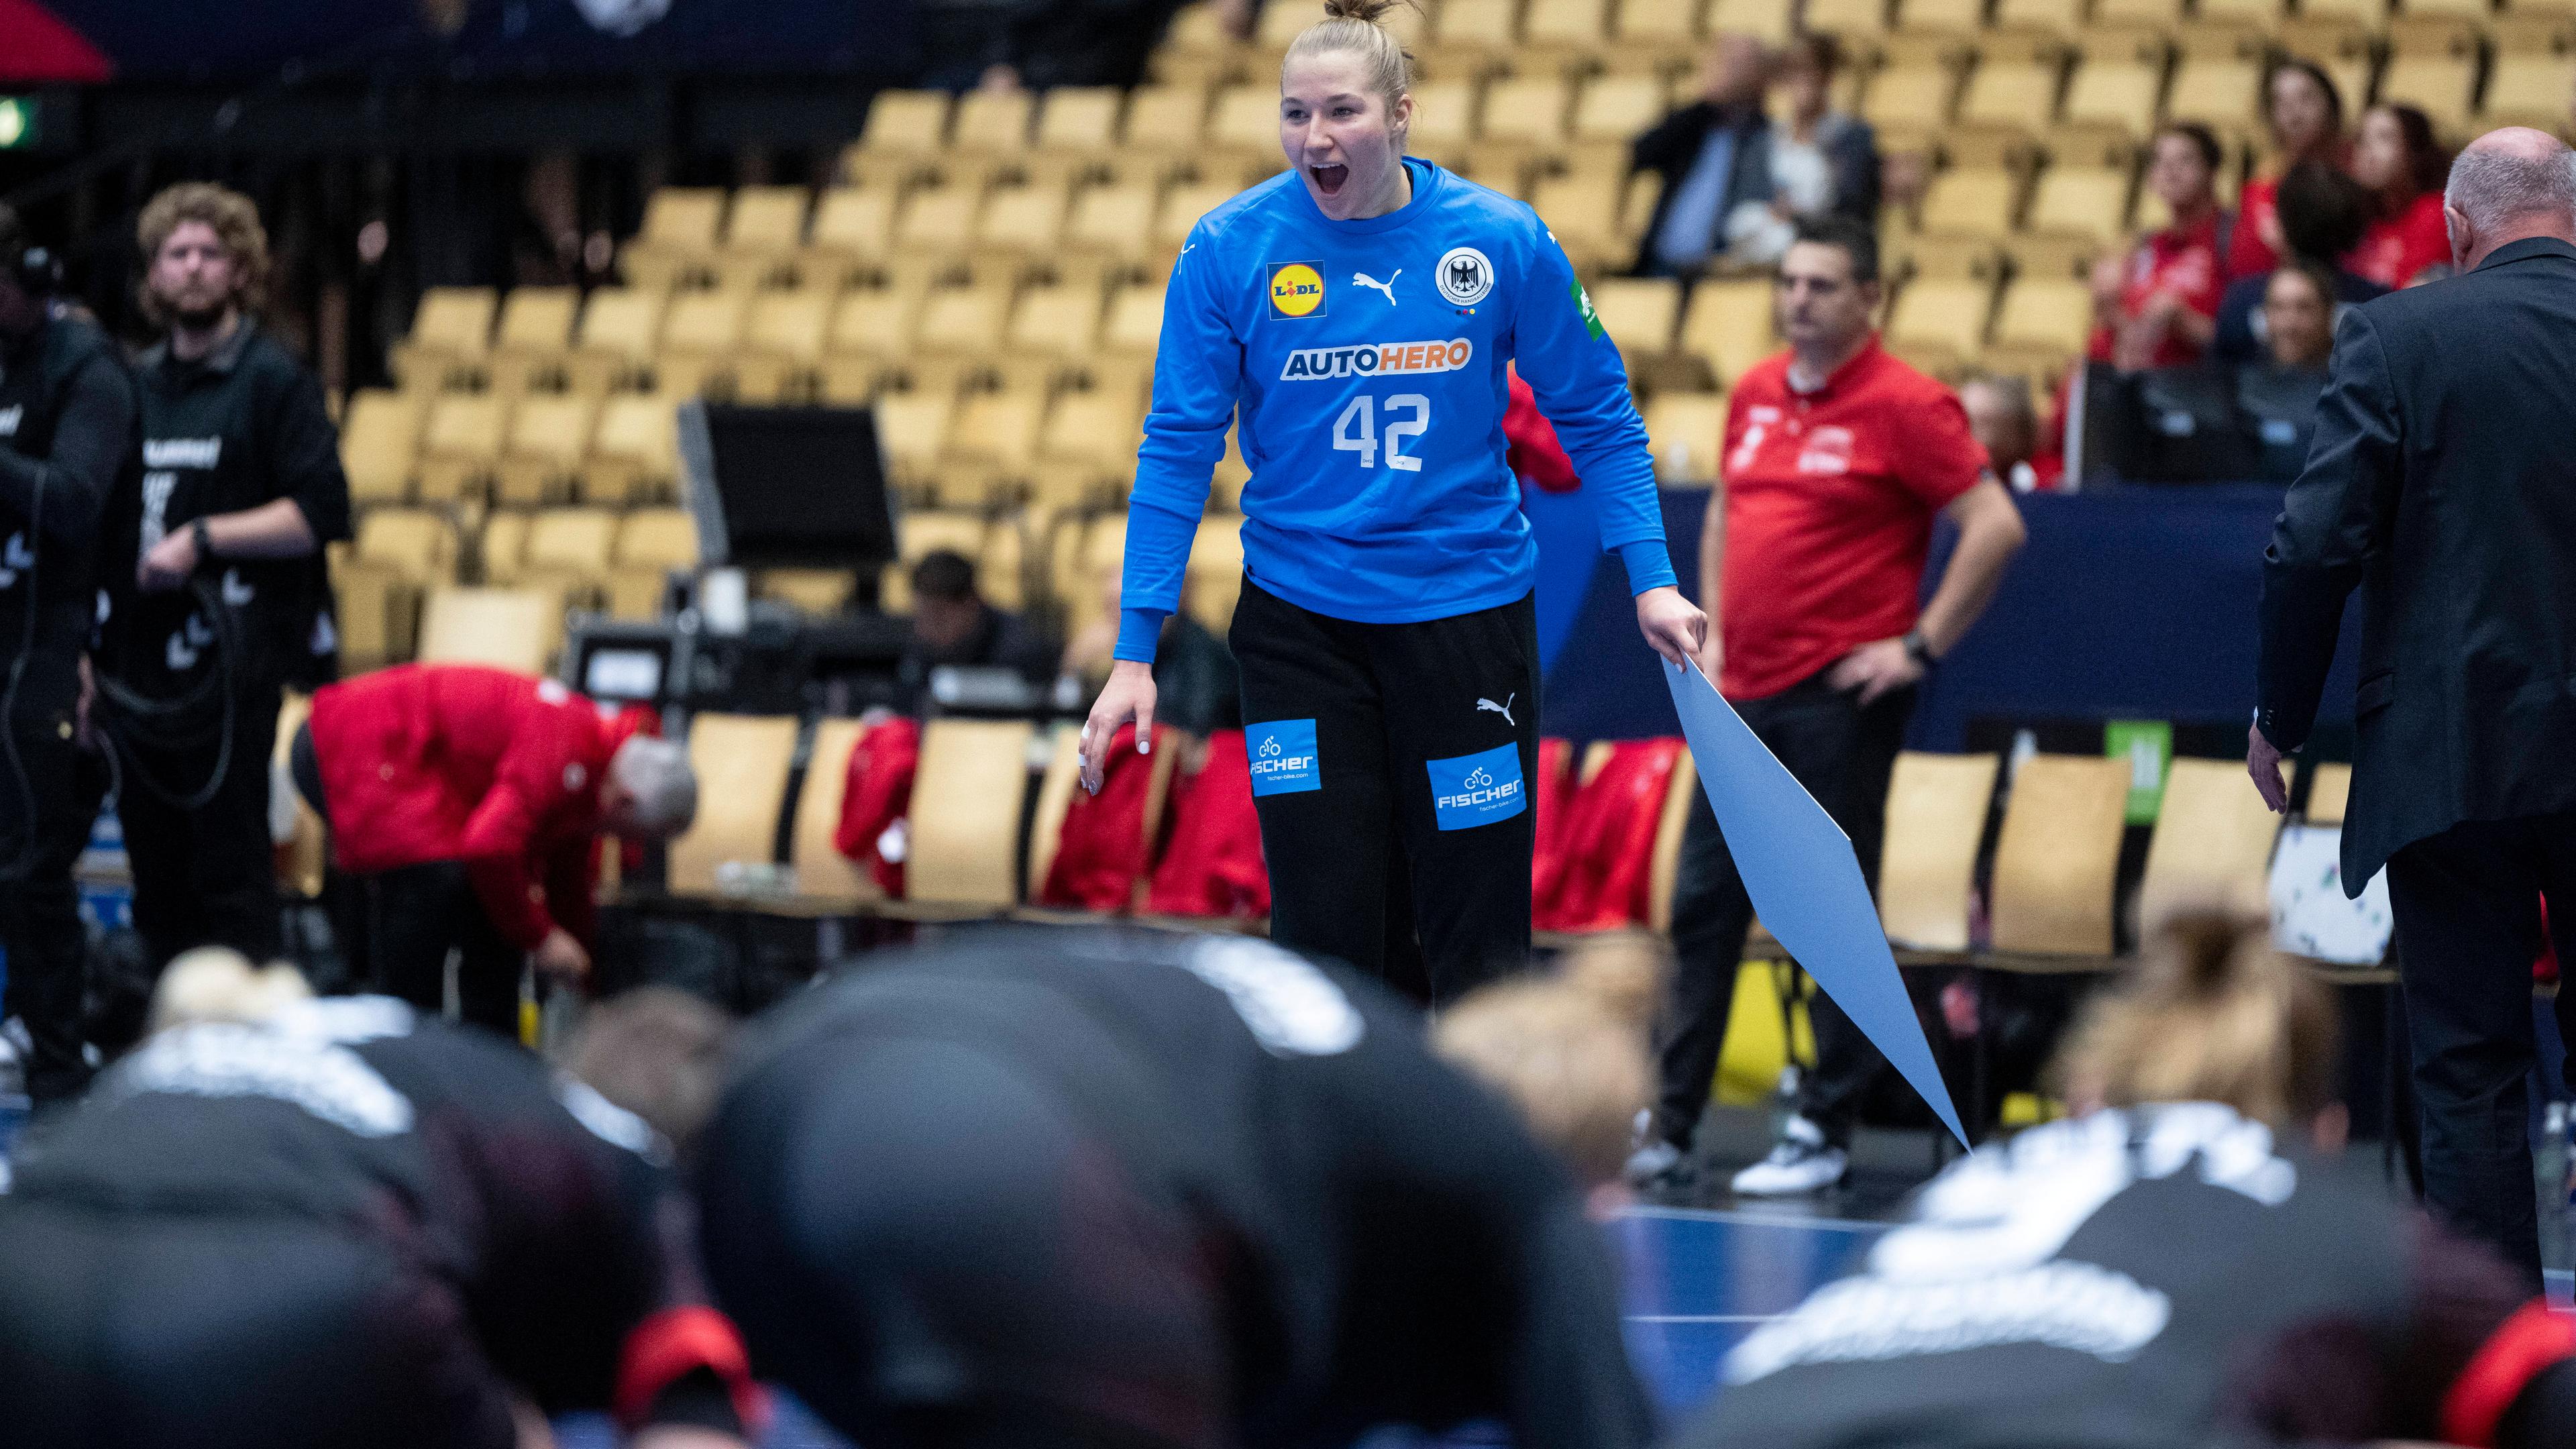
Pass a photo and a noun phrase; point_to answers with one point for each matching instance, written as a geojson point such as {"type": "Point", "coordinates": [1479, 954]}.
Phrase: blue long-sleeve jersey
{"type": "Point", "coordinates": [1366, 358]}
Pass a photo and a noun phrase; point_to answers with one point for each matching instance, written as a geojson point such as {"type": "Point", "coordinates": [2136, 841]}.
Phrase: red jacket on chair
{"type": "Point", "coordinates": [1101, 852]}
{"type": "Point", "coordinates": [440, 762]}
{"type": "Point", "coordinates": [1609, 840]}
{"type": "Point", "coordinates": [876, 794]}
{"type": "Point", "coordinates": [1213, 865]}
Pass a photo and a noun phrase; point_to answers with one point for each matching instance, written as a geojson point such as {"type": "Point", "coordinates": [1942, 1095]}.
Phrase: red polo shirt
{"type": "Point", "coordinates": [2182, 260]}
{"type": "Point", "coordinates": [2397, 247]}
{"type": "Point", "coordinates": [1829, 503]}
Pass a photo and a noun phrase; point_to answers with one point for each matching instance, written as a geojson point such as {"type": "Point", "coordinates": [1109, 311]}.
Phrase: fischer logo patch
{"type": "Point", "coordinates": [1376, 359]}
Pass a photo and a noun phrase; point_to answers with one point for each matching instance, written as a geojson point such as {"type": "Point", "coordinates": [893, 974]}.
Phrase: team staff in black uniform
{"type": "Point", "coordinates": [66, 433]}
{"type": "Point", "coordinates": [1135, 1191]}
{"type": "Point", "coordinates": [239, 490]}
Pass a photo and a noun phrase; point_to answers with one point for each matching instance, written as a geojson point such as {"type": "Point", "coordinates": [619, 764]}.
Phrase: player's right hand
{"type": "Point", "coordinates": [1129, 695]}
{"type": "Point", "coordinates": [561, 958]}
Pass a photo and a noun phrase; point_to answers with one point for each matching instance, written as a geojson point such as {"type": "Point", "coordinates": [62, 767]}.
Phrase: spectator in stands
{"type": "Point", "coordinates": [2278, 395]}
{"type": "Point", "coordinates": [1820, 637]}
{"type": "Point", "coordinates": [952, 625]}
{"type": "Point", "coordinates": [2401, 164]}
{"type": "Point", "coordinates": [2304, 113]}
{"type": "Point", "coordinates": [2320, 214]}
{"type": "Point", "coordinates": [470, 801]}
{"type": "Point", "coordinates": [2006, 423]}
{"type": "Point", "coordinates": [2157, 306]}
{"type": "Point", "coordinates": [1714, 157]}
{"type": "Point", "coordinates": [1038, 45]}
{"type": "Point", "coordinates": [1823, 162]}
{"type": "Point", "coordinates": [2186, 1263]}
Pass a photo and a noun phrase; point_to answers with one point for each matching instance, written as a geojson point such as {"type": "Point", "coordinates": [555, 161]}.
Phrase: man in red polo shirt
{"type": "Point", "coordinates": [1837, 457]}
{"type": "Point", "coordinates": [470, 802]}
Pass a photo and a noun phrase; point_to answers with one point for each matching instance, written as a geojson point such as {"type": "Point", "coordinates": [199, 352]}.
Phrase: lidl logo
{"type": "Point", "coordinates": [1477, 789]}
{"type": "Point", "coordinates": [1591, 319]}
{"type": "Point", "coordinates": [1296, 290]}
{"type": "Point", "coordinates": [1283, 756]}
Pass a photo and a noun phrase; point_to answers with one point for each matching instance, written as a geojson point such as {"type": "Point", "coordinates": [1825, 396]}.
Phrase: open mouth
{"type": "Point", "coordinates": [1329, 179]}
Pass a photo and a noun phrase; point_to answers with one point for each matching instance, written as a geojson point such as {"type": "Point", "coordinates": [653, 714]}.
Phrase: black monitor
{"type": "Point", "coordinates": [787, 487]}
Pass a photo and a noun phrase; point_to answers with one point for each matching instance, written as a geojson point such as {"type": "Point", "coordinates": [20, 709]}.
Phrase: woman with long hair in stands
{"type": "Point", "coordinates": [1355, 314]}
{"type": "Point", "coordinates": [2185, 1263]}
{"type": "Point", "coordinates": [2304, 112]}
{"type": "Point", "coordinates": [2398, 158]}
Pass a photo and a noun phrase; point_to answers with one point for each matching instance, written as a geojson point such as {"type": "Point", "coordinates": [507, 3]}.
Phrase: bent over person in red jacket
{"type": "Point", "coordinates": [471, 801]}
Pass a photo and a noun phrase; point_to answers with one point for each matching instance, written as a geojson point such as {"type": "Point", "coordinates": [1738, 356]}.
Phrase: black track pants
{"type": "Point", "coordinates": [1390, 765]}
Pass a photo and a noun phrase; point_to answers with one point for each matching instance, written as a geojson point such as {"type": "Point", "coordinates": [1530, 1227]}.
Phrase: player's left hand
{"type": "Point", "coordinates": [167, 564]}
{"type": "Point", "coordinates": [1876, 669]}
{"type": "Point", "coordinates": [1674, 627]}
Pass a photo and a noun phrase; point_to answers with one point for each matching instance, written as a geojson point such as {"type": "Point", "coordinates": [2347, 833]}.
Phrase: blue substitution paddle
{"type": "Point", "coordinates": [1805, 881]}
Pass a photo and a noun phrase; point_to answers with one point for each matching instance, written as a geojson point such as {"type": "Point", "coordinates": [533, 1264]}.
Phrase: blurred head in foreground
{"type": "Point", "coordinates": [2213, 1014]}
{"type": "Point", "coordinates": [217, 983]}
{"type": "Point", "coordinates": [1567, 1049]}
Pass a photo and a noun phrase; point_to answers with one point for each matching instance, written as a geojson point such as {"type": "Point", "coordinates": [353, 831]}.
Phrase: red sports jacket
{"type": "Point", "coordinates": [433, 762]}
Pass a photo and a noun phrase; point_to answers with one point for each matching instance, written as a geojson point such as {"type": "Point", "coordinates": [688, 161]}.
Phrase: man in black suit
{"type": "Point", "coordinates": [1714, 156]}
{"type": "Point", "coordinates": [2440, 478]}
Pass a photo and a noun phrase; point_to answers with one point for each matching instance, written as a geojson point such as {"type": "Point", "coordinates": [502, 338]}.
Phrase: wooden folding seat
{"type": "Point", "coordinates": [379, 444]}
{"type": "Point", "coordinates": [634, 452]}
{"type": "Point", "coordinates": [1687, 433]}
{"type": "Point", "coordinates": [742, 763]}
{"type": "Point", "coordinates": [2057, 862]}
{"type": "Point", "coordinates": [651, 545]}
{"type": "Point", "coordinates": [461, 445]}
{"type": "Point", "coordinates": [452, 329]}
{"type": "Point", "coordinates": [518, 629]}
{"type": "Point", "coordinates": [1935, 823]}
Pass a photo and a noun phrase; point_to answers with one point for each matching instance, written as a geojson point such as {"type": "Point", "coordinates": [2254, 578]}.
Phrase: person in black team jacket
{"type": "Point", "coordinates": [66, 435]}
{"type": "Point", "coordinates": [218, 596]}
{"type": "Point", "coordinates": [1150, 1191]}
{"type": "Point", "coordinates": [335, 1224]}
{"type": "Point", "coordinates": [2174, 1269]}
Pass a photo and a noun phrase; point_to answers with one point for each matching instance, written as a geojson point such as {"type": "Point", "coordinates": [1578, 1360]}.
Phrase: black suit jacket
{"type": "Point", "coordinates": [2442, 479]}
{"type": "Point", "coordinates": [1672, 147]}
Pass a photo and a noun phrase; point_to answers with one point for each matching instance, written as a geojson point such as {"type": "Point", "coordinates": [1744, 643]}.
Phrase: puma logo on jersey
{"type": "Point", "coordinates": [236, 593]}
{"type": "Point", "coordinates": [187, 642]}
{"type": "Point", "coordinates": [182, 452]}
{"type": "Point", "coordinates": [1376, 358]}
{"type": "Point", "coordinates": [1363, 279]}
{"type": "Point", "coordinates": [1504, 709]}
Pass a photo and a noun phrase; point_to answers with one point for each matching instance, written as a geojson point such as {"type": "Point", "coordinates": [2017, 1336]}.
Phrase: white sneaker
{"type": "Point", "coordinates": [1652, 1163]}
{"type": "Point", "coordinates": [1800, 1162]}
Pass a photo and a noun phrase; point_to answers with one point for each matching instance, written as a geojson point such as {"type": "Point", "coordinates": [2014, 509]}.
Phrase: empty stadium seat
{"type": "Point", "coordinates": [911, 427]}
{"type": "Point", "coordinates": [851, 226]}
{"type": "Point", "coordinates": [1687, 432]}
{"type": "Point", "coordinates": [2018, 92]}
{"type": "Point", "coordinates": [992, 123]}
{"type": "Point", "coordinates": [1729, 326]}
{"type": "Point", "coordinates": [1936, 820]}
{"type": "Point", "coordinates": [1940, 322]}
{"type": "Point", "coordinates": [677, 242]}
{"type": "Point", "coordinates": [2082, 201]}
{"type": "Point", "coordinates": [1079, 119]}
{"type": "Point", "coordinates": [991, 446]}
{"type": "Point", "coordinates": [1911, 99]}
{"type": "Point", "coordinates": [1972, 201]}
{"type": "Point", "coordinates": [634, 454]}
{"type": "Point", "coordinates": [549, 435]}
{"type": "Point", "coordinates": [2049, 313]}
{"type": "Point", "coordinates": [968, 795]}
{"type": "Point", "coordinates": [701, 333]}
{"type": "Point", "coordinates": [905, 123]}
{"type": "Point", "coordinates": [742, 763]}
{"type": "Point", "coordinates": [614, 344]}
{"type": "Point", "coordinates": [1023, 223]}
{"type": "Point", "coordinates": [1087, 449]}
{"type": "Point", "coordinates": [783, 334]}
{"type": "Point", "coordinates": [1112, 221]}
{"type": "Point", "coordinates": [2212, 845]}
{"type": "Point", "coordinates": [379, 441]}
{"type": "Point", "coordinates": [461, 444]}
{"type": "Point", "coordinates": [651, 544]}
{"type": "Point", "coordinates": [452, 327]}
{"type": "Point", "coordinates": [2120, 82]}
{"type": "Point", "coordinates": [2057, 862]}
{"type": "Point", "coordinates": [506, 628]}
{"type": "Point", "coordinates": [1640, 314]}
{"type": "Point", "coordinates": [1165, 118]}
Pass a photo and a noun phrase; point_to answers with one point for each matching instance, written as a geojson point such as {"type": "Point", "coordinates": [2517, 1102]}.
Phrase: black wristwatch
{"type": "Point", "coordinates": [1918, 649]}
{"type": "Point", "coordinates": [205, 544]}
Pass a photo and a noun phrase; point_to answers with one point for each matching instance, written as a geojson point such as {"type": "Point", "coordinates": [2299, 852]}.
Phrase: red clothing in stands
{"type": "Point", "coordinates": [1610, 829]}
{"type": "Point", "coordinates": [2396, 248]}
{"type": "Point", "coordinates": [437, 762]}
{"type": "Point", "coordinates": [1535, 456]}
{"type": "Point", "coordinates": [2181, 260]}
{"type": "Point", "coordinates": [1101, 852]}
{"type": "Point", "coordinates": [2248, 255]}
{"type": "Point", "coordinates": [1549, 794]}
{"type": "Point", "coordinates": [875, 794]}
{"type": "Point", "coordinates": [1829, 503]}
{"type": "Point", "coordinates": [1213, 865]}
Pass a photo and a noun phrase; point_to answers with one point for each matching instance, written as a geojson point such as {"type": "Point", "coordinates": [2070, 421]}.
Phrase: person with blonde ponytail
{"type": "Point", "coordinates": [1352, 317]}
{"type": "Point", "coordinates": [2186, 1262]}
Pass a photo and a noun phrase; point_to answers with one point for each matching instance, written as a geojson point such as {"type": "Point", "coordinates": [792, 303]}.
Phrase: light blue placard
{"type": "Point", "coordinates": [1478, 789]}
{"type": "Point", "coordinates": [1805, 882]}
{"type": "Point", "coordinates": [1283, 756]}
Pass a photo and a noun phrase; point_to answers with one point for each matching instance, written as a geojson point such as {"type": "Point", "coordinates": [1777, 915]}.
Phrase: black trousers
{"type": "Point", "coordinates": [419, 913]}
{"type": "Point", "coordinates": [206, 876]}
{"type": "Point", "coordinates": [2468, 926]}
{"type": "Point", "coordinates": [1843, 751]}
{"type": "Point", "coordinates": [44, 826]}
{"type": "Point", "coordinates": [1399, 835]}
